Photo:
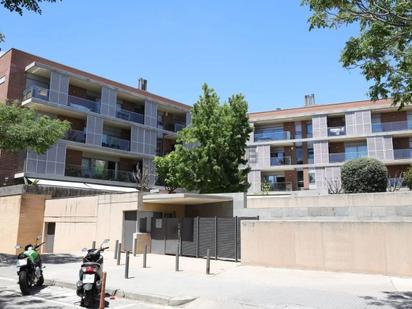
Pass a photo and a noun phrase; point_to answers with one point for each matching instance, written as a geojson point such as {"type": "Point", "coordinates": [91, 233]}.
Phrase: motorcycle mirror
{"type": "Point", "coordinates": [17, 246]}
{"type": "Point", "coordinates": [84, 250]}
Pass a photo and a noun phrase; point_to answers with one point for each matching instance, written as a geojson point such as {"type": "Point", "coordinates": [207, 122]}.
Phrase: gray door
{"type": "Point", "coordinates": [50, 231]}
{"type": "Point", "coordinates": [129, 227]}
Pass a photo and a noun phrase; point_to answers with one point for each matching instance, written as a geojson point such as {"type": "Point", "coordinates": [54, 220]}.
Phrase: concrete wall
{"type": "Point", "coordinates": [9, 222]}
{"type": "Point", "coordinates": [368, 247]}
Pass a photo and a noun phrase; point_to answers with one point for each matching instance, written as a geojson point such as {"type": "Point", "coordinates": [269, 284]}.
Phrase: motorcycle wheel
{"type": "Point", "coordinates": [88, 299]}
{"type": "Point", "coordinates": [23, 283]}
{"type": "Point", "coordinates": [40, 281]}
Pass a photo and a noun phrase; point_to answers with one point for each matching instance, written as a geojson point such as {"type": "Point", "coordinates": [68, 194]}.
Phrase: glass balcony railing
{"type": "Point", "coordinates": [280, 186]}
{"type": "Point", "coordinates": [342, 157]}
{"type": "Point", "coordinates": [336, 131]}
{"type": "Point", "coordinates": [36, 92]}
{"type": "Point", "coordinates": [115, 142]}
{"type": "Point", "coordinates": [130, 116]}
{"type": "Point", "coordinates": [174, 127]}
{"type": "Point", "coordinates": [84, 105]}
{"type": "Point", "coordinates": [76, 136]}
{"type": "Point", "coordinates": [275, 161]}
{"type": "Point", "coordinates": [99, 173]}
{"type": "Point", "coordinates": [391, 126]}
{"type": "Point", "coordinates": [272, 136]}
{"type": "Point", "coordinates": [402, 154]}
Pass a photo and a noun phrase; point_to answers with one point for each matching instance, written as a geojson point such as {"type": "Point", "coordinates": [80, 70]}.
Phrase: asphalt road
{"type": "Point", "coordinates": [49, 297]}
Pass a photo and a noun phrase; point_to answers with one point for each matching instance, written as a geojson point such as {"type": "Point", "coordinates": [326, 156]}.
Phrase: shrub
{"type": "Point", "coordinates": [408, 177]}
{"type": "Point", "coordinates": [364, 175]}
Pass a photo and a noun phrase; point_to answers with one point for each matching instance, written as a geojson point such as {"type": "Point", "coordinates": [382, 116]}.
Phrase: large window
{"type": "Point", "coordinates": [355, 150]}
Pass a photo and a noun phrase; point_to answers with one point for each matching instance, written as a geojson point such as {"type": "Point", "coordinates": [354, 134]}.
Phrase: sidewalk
{"type": "Point", "coordinates": [234, 286]}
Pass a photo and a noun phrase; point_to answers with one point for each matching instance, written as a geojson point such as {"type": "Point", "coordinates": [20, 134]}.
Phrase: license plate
{"type": "Point", "coordinates": [22, 262]}
{"type": "Point", "coordinates": [87, 278]}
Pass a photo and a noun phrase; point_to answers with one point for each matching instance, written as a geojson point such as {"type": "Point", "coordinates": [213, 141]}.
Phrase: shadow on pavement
{"type": "Point", "coordinates": [397, 300]}
{"type": "Point", "coordinates": [13, 299]}
{"type": "Point", "coordinates": [63, 258]}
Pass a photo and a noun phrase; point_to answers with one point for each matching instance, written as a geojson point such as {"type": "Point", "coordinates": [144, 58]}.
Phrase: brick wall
{"type": "Point", "coordinates": [396, 170]}
{"type": "Point", "coordinates": [8, 165]}
{"type": "Point", "coordinates": [336, 121]}
{"type": "Point", "coordinates": [77, 124]}
{"type": "Point", "coordinates": [401, 143]}
{"type": "Point", "coordinates": [77, 91]}
{"type": "Point", "coordinates": [337, 147]}
{"type": "Point", "coordinates": [5, 61]}
{"type": "Point", "coordinates": [393, 116]}
{"type": "Point", "coordinates": [291, 177]}
{"type": "Point", "coordinates": [127, 164]}
{"type": "Point", "coordinates": [74, 157]}
{"type": "Point", "coordinates": [289, 127]}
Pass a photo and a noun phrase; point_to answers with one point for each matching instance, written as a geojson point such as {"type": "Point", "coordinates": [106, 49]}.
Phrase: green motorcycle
{"type": "Point", "coordinates": [29, 268]}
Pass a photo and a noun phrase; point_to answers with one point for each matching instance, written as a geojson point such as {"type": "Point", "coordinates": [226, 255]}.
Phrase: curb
{"type": "Point", "coordinates": [148, 298]}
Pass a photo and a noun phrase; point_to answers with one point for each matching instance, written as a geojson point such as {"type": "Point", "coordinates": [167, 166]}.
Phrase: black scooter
{"type": "Point", "coordinates": [90, 275]}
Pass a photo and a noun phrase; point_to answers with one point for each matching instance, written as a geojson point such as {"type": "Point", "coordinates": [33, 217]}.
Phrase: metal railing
{"type": "Point", "coordinates": [391, 126]}
{"type": "Point", "coordinates": [280, 186]}
{"type": "Point", "coordinates": [272, 136]}
{"type": "Point", "coordinates": [336, 131]}
{"type": "Point", "coordinates": [174, 127]}
{"type": "Point", "coordinates": [36, 92]}
{"type": "Point", "coordinates": [83, 104]}
{"type": "Point", "coordinates": [345, 156]}
{"type": "Point", "coordinates": [99, 173]}
{"type": "Point", "coordinates": [130, 116]}
{"type": "Point", "coordinates": [280, 161]}
{"type": "Point", "coordinates": [402, 154]}
{"type": "Point", "coordinates": [115, 142]}
{"type": "Point", "coordinates": [76, 136]}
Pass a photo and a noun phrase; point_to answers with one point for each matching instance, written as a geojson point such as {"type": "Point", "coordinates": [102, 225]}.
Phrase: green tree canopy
{"type": "Point", "coordinates": [23, 128]}
{"type": "Point", "coordinates": [383, 49]}
{"type": "Point", "coordinates": [210, 154]}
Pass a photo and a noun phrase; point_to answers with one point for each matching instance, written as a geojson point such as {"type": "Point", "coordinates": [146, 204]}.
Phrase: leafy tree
{"type": "Point", "coordinates": [19, 6]}
{"type": "Point", "coordinates": [210, 154]}
{"type": "Point", "coordinates": [168, 169]}
{"type": "Point", "coordinates": [383, 49]}
{"type": "Point", "coordinates": [364, 175]}
{"type": "Point", "coordinates": [408, 177]}
{"type": "Point", "coordinates": [22, 128]}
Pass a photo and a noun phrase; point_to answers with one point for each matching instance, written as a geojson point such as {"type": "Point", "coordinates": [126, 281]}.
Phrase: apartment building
{"type": "Point", "coordinates": [114, 127]}
{"type": "Point", "coordinates": [304, 148]}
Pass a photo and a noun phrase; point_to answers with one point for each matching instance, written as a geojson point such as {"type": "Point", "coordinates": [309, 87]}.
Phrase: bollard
{"type": "Point", "coordinates": [115, 249]}
{"type": "Point", "coordinates": [126, 266]}
{"type": "Point", "coordinates": [119, 253]}
{"type": "Point", "coordinates": [144, 256]}
{"type": "Point", "coordinates": [94, 244]}
{"type": "Point", "coordinates": [208, 262]}
{"type": "Point", "coordinates": [135, 247]}
{"type": "Point", "coordinates": [177, 258]}
{"type": "Point", "coordinates": [102, 304]}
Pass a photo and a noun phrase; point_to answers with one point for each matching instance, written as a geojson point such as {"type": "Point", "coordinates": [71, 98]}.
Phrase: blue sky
{"type": "Point", "coordinates": [262, 49]}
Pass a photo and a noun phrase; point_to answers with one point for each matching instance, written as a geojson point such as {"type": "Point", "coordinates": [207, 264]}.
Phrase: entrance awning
{"type": "Point", "coordinates": [184, 199]}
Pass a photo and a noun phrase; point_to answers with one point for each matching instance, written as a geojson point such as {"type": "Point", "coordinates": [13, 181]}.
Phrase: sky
{"type": "Point", "coordinates": [262, 49]}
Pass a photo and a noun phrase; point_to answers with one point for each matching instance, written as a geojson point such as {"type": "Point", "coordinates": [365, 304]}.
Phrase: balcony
{"type": "Point", "coordinates": [130, 116]}
{"type": "Point", "coordinates": [390, 126]}
{"type": "Point", "coordinates": [115, 142]}
{"type": "Point", "coordinates": [280, 186]}
{"type": "Point", "coordinates": [271, 136]}
{"type": "Point", "coordinates": [36, 92]}
{"type": "Point", "coordinates": [76, 136]}
{"type": "Point", "coordinates": [345, 156]}
{"type": "Point", "coordinates": [99, 173]}
{"type": "Point", "coordinates": [336, 131]}
{"type": "Point", "coordinates": [275, 161]}
{"type": "Point", "coordinates": [174, 127]}
{"type": "Point", "coordinates": [399, 154]}
{"type": "Point", "coordinates": [83, 104]}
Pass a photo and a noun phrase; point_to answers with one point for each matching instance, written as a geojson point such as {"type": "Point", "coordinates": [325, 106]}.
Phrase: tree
{"type": "Point", "coordinates": [408, 177]}
{"type": "Point", "coordinates": [210, 154]}
{"type": "Point", "coordinates": [364, 175]}
{"type": "Point", "coordinates": [22, 128]}
{"type": "Point", "coordinates": [168, 168]}
{"type": "Point", "coordinates": [383, 49]}
{"type": "Point", "coordinates": [19, 6]}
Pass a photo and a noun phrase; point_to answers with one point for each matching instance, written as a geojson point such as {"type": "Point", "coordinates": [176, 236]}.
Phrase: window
{"type": "Point", "coordinates": [299, 155]}
{"type": "Point", "coordinates": [309, 129]}
{"type": "Point", "coordinates": [355, 150]}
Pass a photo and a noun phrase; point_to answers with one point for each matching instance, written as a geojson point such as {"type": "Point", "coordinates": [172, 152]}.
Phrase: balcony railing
{"type": "Point", "coordinates": [99, 173]}
{"type": "Point", "coordinates": [280, 186]}
{"type": "Point", "coordinates": [274, 161]}
{"type": "Point", "coordinates": [76, 136]}
{"type": "Point", "coordinates": [83, 104]}
{"type": "Point", "coordinates": [391, 126]}
{"type": "Point", "coordinates": [36, 92]}
{"type": "Point", "coordinates": [402, 154]}
{"type": "Point", "coordinates": [272, 136]}
{"type": "Point", "coordinates": [115, 142]}
{"type": "Point", "coordinates": [336, 131]}
{"type": "Point", "coordinates": [342, 157]}
{"type": "Point", "coordinates": [174, 127]}
{"type": "Point", "coordinates": [130, 116]}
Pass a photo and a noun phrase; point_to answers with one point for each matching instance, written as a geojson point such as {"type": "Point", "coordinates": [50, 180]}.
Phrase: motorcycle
{"type": "Point", "coordinates": [90, 275]}
{"type": "Point", "coordinates": [29, 268]}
